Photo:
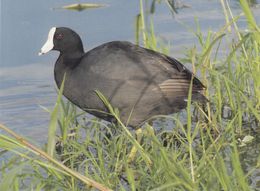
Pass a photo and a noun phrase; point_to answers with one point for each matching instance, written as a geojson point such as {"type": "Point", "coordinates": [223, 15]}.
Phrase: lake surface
{"type": "Point", "coordinates": [26, 79]}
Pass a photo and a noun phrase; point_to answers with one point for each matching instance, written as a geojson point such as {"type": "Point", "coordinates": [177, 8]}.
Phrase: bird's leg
{"type": "Point", "coordinates": [133, 151]}
{"type": "Point", "coordinates": [139, 135]}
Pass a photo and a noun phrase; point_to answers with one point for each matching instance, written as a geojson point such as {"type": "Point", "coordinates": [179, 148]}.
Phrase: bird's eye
{"type": "Point", "coordinates": [59, 36]}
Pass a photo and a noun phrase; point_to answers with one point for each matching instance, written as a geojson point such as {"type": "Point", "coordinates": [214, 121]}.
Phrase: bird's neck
{"type": "Point", "coordinates": [65, 64]}
{"type": "Point", "coordinates": [70, 59]}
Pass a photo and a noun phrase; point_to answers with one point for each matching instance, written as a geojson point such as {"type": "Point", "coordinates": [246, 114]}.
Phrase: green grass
{"type": "Point", "coordinates": [202, 152]}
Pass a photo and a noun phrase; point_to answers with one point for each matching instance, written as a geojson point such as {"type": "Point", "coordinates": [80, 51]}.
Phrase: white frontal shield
{"type": "Point", "coordinates": [49, 43]}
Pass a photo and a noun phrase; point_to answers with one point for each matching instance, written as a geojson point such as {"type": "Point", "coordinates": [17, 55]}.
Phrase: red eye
{"type": "Point", "coordinates": [59, 36]}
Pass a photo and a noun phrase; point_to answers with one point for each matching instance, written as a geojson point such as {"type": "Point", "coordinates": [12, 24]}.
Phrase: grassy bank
{"type": "Point", "coordinates": [201, 152]}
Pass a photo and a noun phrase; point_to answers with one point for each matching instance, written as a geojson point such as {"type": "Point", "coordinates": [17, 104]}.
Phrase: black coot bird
{"type": "Point", "coordinates": [140, 82]}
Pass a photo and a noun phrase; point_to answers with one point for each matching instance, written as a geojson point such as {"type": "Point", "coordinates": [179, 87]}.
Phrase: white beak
{"type": "Point", "coordinates": [49, 43]}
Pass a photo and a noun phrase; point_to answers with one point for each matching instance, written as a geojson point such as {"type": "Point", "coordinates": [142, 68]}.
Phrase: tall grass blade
{"type": "Point", "coordinates": [250, 19]}
{"type": "Point", "coordinates": [25, 144]}
{"type": "Point", "coordinates": [53, 122]}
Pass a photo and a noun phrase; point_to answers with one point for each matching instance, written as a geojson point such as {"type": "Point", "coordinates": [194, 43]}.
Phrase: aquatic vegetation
{"type": "Point", "coordinates": [82, 6]}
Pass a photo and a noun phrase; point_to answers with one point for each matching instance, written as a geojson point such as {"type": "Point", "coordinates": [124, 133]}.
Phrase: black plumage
{"type": "Point", "coordinates": [140, 82]}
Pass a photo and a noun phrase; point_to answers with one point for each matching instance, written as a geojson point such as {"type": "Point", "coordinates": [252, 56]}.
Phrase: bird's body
{"type": "Point", "coordinates": [140, 82]}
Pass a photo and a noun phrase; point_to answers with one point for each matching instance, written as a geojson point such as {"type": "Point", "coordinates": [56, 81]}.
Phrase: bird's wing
{"type": "Point", "coordinates": [177, 87]}
{"type": "Point", "coordinates": [173, 66]}
{"type": "Point", "coordinates": [185, 73]}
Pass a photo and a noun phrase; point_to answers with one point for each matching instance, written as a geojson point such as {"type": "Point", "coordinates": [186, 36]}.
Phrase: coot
{"type": "Point", "coordinates": [140, 82]}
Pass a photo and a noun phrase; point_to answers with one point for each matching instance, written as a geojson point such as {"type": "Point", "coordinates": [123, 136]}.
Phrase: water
{"type": "Point", "coordinates": [26, 80]}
